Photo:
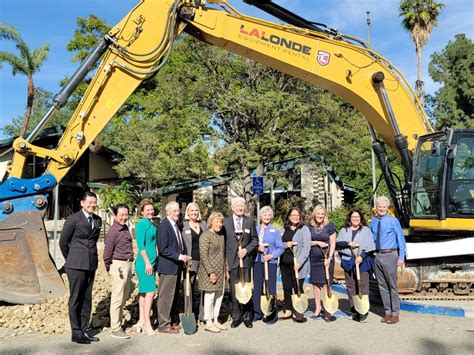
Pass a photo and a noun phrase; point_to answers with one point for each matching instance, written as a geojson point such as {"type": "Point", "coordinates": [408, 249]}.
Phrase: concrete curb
{"type": "Point", "coordinates": [410, 306]}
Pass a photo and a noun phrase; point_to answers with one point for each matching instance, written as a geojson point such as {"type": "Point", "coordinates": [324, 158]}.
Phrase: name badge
{"type": "Point", "coordinates": [272, 231]}
{"type": "Point", "coordinates": [187, 232]}
{"type": "Point", "coordinates": [247, 230]}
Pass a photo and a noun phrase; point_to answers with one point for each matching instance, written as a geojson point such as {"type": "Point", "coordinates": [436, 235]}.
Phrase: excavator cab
{"type": "Point", "coordinates": [443, 177]}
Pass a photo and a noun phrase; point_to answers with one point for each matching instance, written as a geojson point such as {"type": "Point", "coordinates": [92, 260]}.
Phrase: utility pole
{"type": "Point", "coordinates": [371, 129]}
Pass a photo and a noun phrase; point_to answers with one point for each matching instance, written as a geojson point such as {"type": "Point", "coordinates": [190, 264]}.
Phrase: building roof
{"type": "Point", "coordinates": [281, 165]}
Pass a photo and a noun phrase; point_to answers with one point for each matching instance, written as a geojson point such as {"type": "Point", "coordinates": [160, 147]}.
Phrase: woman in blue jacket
{"type": "Point", "coordinates": [267, 234]}
{"type": "Point", "coordinates": [356, 234]}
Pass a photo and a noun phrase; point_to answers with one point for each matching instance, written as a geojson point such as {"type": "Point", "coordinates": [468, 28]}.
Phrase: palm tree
{"type": "Point", "coordinates": [27, 63]}
{"type": "Point", "coordinates": [419, 18]}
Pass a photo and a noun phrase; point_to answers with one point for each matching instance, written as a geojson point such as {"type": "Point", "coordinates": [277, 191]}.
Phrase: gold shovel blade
{"type": "Point", "coordinates": [300, 303]}
{"type": "Point", "coordinates": [267, 305]}
{"type": "Point", "coordinates": [361, 304]}
{"type": "Point", "coordinates": [331, 304]}
{"type": "Point", "coordinates": [243, 292]}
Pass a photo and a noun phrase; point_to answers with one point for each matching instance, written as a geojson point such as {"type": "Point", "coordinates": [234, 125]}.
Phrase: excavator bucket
{"type": "Point", "coordinates": [27, 272]}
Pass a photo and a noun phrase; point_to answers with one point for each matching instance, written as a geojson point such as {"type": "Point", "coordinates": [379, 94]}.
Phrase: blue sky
{"type": "Point", "coordinates": [54, 22]}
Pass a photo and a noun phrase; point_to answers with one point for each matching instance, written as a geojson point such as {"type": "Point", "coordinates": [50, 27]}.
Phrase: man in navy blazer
{"type": "Point", "coordinates": [171, 259]}
{"type": "Point", "coordinates": [247, 234]}
{"type": "Point", "coordinates": [78, 244]}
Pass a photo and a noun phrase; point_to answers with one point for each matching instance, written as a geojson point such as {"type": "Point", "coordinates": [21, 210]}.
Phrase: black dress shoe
{"type": "Point", "coordinates": [80, 340]}
{"type": "Point", "coordinates": [328, 317]}
{"type": "Point", "coordinates": [300, 319]}
{"type": "Point", "coordinates": [90, 337]}
{"type": "Point", "coordinates": [248, 324]}
{"type": "Point", "coordinates": [235, 323]}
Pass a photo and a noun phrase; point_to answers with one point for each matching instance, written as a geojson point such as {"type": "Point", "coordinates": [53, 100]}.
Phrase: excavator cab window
{"type": "Point", "coordinates": [428, 173]}
{"type": "Point", "coordinates": [461, 179]}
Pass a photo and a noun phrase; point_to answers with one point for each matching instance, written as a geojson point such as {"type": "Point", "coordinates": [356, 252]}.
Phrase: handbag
{"type": "Point", "coordinates": [348, 265]}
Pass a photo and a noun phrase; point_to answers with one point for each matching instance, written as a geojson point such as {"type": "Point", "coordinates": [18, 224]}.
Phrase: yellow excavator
{"type": "Point", "coordinates": [435, 205]}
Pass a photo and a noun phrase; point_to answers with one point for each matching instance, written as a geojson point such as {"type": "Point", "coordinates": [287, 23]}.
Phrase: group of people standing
{"type": "Point", "coordinates": [220, 252]}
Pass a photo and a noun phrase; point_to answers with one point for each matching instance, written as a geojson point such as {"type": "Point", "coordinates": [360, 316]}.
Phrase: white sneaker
{"type": "Point", "coordinates": [210, 327]}
{"type": "Point", "coordinates": [119, 334]}
{"type": "Point", "coordinates": [220, 326]}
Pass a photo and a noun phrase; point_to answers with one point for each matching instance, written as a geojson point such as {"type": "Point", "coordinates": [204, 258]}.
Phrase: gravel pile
{"type": "Point", "coordinates": [51, 317]}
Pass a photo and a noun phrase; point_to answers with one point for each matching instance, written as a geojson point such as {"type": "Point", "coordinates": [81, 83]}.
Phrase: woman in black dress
{"type": "Point", "coordinates": [295, 231]}
{"type": "Point", "coordinates": [193, 227]}
{"type": "Point", "coordinates": [323, 235]}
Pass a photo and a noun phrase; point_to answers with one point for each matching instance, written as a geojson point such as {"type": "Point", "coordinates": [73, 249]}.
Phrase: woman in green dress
{"type": "Point", "coordinates": [145, 264]}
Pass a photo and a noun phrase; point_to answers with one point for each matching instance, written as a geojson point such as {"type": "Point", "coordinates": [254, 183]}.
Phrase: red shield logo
{"type": "Point", "coordinates": [323, 58]}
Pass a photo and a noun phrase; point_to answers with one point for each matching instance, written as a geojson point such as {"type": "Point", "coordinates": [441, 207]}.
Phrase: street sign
{"type": "Point", "coordinates": [257, 185]}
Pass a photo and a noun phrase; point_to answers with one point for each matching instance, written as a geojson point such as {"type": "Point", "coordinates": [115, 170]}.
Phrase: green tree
{"type": "Point", "coordinates": [86, 36]}
{"type": "Point", "coordinates": [42, 103]}
{"type": "Point", "coordinates": [259, 114]}
{"type": "Point", "coordinates": [419, 18]}
{"type": "Point", "coordinates": [124, 193]}
{"type": "Point", "coordinates": [454, 68]}
{"type": "Point", "coordinates": [27, 63]}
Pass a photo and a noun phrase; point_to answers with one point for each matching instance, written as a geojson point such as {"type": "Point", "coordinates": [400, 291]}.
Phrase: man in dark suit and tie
{"type": "Point", "coordinates": [78, 245]}
{"type": "Point", "coordinates": [172, 257]}
{"type": "Point", "coordinates": [247, 232]}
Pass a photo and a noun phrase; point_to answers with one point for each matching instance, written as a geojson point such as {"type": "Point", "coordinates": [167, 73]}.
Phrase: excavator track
{"type": "Point", "coordinates": [412, 288]}
{"type": "Point", "coordinates": [436, 297]}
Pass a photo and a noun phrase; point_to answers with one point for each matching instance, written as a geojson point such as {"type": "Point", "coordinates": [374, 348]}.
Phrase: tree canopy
{"type": "Point", "coordinates": [28, 62]}
{"type": "Point", "coordinates": [419, 18]}
{"type": "Point", "coordinates": [454, 68]}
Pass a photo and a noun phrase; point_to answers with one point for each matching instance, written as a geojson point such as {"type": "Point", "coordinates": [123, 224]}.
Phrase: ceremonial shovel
{"type": "Point", "coordinates": [330, 300]}
{"type": "Point", "coordinates": [361, 302]}
{"type": "Point", "coordinates": [188, 321]}
{"type": "Point", "coordinates": [300, 301]}
{"type": "Point", "coordinates": [267, 301]}
{"type": "Point", "coordinates": [243, 290]}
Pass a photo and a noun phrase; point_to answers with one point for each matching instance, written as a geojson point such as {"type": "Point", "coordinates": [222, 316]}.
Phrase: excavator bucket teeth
{"type": "Point", "coordinates": [27, 272]}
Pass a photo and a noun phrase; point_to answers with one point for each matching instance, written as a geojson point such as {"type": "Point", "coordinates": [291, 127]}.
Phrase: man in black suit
{"type": "Point", "coordinates": [172, 256]}
{"type": "Point", "coordinates": [78, 245]}
{"type": "Point", "coordinates": [245, 227]}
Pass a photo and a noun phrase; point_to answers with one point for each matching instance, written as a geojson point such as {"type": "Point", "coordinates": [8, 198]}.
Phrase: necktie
{"type": "Point", "coordinates": [178, 236]}
{"type": "Point", "coordinates": [377, 241]}
{"type": "Point", "coordinates": [239, 224]}
{"type": "Point", "coordinates": [90, 220]}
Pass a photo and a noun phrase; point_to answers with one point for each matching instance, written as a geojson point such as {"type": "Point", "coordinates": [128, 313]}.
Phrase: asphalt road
{"type": "Point", "coordinates": [415, 334]}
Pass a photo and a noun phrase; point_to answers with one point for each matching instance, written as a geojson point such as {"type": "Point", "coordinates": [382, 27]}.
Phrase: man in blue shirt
{"type": "Point", "coordinates": [390, 253]}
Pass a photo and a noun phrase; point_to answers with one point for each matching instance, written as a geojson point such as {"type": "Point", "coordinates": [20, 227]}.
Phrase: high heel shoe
{"type": "Point", "coordinates": [148, 330]}
{"type": "Point", "coordinates": [139, 327]}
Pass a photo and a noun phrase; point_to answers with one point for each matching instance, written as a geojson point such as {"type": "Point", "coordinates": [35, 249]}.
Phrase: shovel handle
{"type": "Point", "coordinates": [241, 266]}
{"type": "Point", "coordinates": [265, 267]}
{"type": "Point", "coordinates": [265, 263]}
{"type": "Point", "coordinates": [241, 261]}
{"type": "Point", "coordinates": [357, 272]}
{"type": "Point", "coordinates": [188, 288]}
{"type": "Point", "coordinates": [359, 291]}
